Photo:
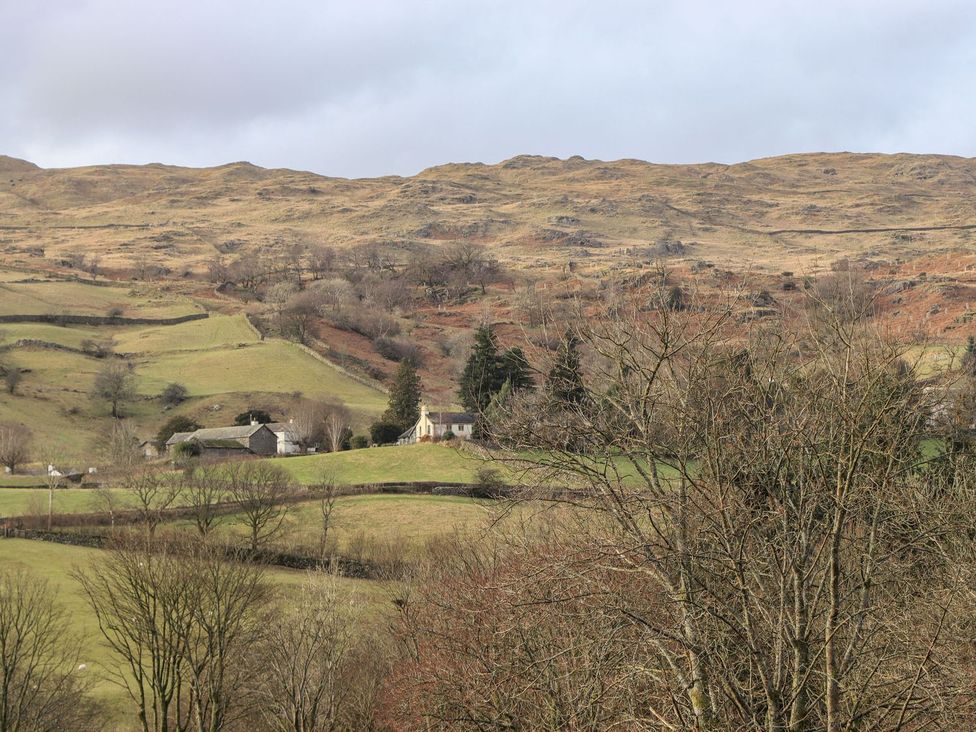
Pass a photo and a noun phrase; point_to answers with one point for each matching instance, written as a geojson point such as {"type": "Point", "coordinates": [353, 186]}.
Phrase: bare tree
{"type": "Point", "coordinates": [260, 489]}
{"type": "Point", "coordinates": [108, 500]}
{"type": "Point", "coordinates": [301, 687]}
{"type": "Point", "coordinates": [12, 376]}
{"type": "Point", "coordinates": [182, 622]}
{"type": "Point", "coordinates": [119, 446]}
{"type": "Point", "coordinates": [321, 259]}
{"type": "Point", "coordinates": [308, 423]}
{"type": "Point", "coordinates": [53, 479]}
{"type": "Point", "coordinates": [114, 384]}
{"type": "Point", "coordinates": [335, 294]}
{"type": "Point", "coordinates": [40, 683]}
{"type": "Point", "coordinates": [484, 647]}
{"type": "Point", "coordinates": [299, 314]}
{"type": "Point", "coordinates": [337, 421]}
{"type": "Point", "coordinates": [15, 441]}
{"type": "Point", "coordinates": [202, 491]}
{"type": "Point", "coordinates": [328, 496]}
{"type": "Point", "coordinates": [769, 487]}
{"type": "Point", "coordinates": [151, 492]}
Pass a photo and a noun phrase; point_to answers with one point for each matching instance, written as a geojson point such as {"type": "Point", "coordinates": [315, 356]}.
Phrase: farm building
{"type": "Point", "coordinates": [288, 442]}
{"type": "Point", "coordinates": [435, 425]}
{"type": "Point", "coordinates": [252, 439]}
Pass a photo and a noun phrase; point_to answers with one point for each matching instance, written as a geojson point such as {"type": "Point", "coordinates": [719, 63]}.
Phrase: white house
{"type": "Point", "coordinates": [287, 439]}
{"type": "Point", "coordinates": [435, 425]}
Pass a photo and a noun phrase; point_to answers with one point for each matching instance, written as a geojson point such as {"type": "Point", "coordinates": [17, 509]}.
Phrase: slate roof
{"type": "Point", "coordinates": [222, 444]}
{"type": "Point", "coordinates": [451, 417]}
{"type": "Point", "coordinates": [178, 437]}
{"type": "Point", "coordinates": [226, 433]}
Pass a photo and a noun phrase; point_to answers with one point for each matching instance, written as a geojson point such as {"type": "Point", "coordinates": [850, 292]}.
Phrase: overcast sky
{"type": "Point", "coordinates": [371, 87]}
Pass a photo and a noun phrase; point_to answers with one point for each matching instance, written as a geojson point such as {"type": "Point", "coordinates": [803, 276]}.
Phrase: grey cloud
{"type": "Point", "coordinates": [380, 86]}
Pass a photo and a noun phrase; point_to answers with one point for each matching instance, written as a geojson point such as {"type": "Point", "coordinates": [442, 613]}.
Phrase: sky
{"type": "Point", "coordinates": [374, 87]}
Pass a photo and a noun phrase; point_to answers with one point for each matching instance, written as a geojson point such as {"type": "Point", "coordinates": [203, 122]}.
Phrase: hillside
{"type": "Point", "coordinates": [562, 231]}
{"type": "Point", "coordinates": [797, 211]}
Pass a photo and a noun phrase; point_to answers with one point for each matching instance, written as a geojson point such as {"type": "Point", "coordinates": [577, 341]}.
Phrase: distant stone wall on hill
{"type": "Point", "coordinates": [66, 319]}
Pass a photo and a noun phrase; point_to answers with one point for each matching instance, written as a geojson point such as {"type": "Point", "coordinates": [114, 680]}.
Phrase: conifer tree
{"type": "Point", "coordinates": [483, 374]}
{"type": "Point", "coordinates": [564, 382]}
{"type": "Point", "coordinates": [969, 357]}
{"type": "Point", "coordinates": [403, 408]}
{"type": "Point", "coordinates": [516, 369]}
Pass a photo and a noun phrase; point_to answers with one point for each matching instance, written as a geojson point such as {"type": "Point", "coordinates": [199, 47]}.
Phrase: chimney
{"type": "Point", "coordinates": [253, 421]}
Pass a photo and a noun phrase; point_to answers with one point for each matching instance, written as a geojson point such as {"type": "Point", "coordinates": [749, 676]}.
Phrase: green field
{"type": "Point", "coordinates": [362, 525]}
{"type": "Point", "coordinates": [219, 358]}
{"type": "Point", "coordinates": [55, 562]}
{"type": "Point", "coordinates": [20, 501]}
{"type": "Point", "coordinates": [65, 336]}
{"type": "Point", "coordinates": [195, 335]}
{"type": "Point", "coordinates": [269, 367]}
{"type": "Point", "coordinates": [79, 298]}
{"type": "Point", "coordinates": [21, 481]}
{"type": "Point", "coordinates": [408, 463]}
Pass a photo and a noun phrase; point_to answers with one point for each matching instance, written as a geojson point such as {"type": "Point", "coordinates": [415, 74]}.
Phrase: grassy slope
{"type": "Point", "coordinates": [385, 464]}
{"type": "Point", "coordinates": [71, 337]}
{"type": "Point", "coordinates": [401, 523]}
{"type": "Point", "coordinates": [271, 366]}
{"type": "Point", "coordinates": [19, 501]}
{"type": "Point", "coordinates": [217, 357]}
{"type": "Point", "coordinates": [55, 562]}
{"type": "Point", "coordinates": [214, 332]}
{"type": "Point", "coordinates": [78, 297]}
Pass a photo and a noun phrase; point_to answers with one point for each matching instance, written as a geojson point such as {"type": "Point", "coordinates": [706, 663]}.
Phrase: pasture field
{"type": "Point", "coordinates": [64, 336]}
{"type": "Point", "coordinates": [55, 563]}
{"type": "Point", "coordinates": [57, 371]}
{"type": "Point", "coordinates": [408, 463]}
{"type": "Point", "coordinates": [932, 360]}
{"type": "Point", "coordinates": [362, 525]}
{"type": "Point", "coordinates": [80, 298]}
{"type": "Point", "coordinates": [220, 357]}
{"type": "Point", "coordinates": [20, 501]}
{"type": "Point", "coordinates": [61, 419]}
{"type": "Point", "coordinates": [20, 481]}
{"type": "Point", "coordinates": [268, 366]}
{"type": "Point", "coordinates": [195, 335]}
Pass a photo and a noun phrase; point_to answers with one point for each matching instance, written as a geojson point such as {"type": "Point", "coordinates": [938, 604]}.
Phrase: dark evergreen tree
{"type": "Point", "coordinates": [564, 382]}
{"type": "Point", "coordinates": [404, 405]}
{"type": "Point", "coordinates": [483, 374]}
{"type": "Point", "coordinates": [384, 433]}
{"type": "Point", "coordinates": [969, 357]}
{"type": "Point", "coordinates": [515, 367]}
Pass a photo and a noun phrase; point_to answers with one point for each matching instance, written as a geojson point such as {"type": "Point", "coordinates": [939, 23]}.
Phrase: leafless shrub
{"type": "Point", "coordinates": [481, 645]}
{"type": "Point", "coordinates": [303, 658]}
{"type": "Point", "coordinates": [398, 349]}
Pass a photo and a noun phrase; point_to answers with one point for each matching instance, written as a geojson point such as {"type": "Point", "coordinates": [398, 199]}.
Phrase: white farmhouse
{"type": "Point", "coordinates": [434, 425]}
